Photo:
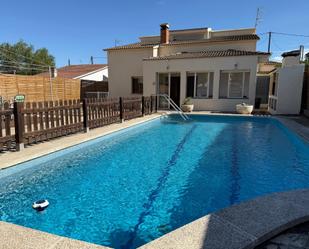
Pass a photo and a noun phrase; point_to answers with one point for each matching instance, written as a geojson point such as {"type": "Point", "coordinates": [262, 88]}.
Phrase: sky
{"type": "Point", "coordinates": [76, 30]}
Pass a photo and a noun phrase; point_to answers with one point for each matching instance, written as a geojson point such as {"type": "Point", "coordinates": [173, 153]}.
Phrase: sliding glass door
{"type": "Point", "coordinates": [169, 84]}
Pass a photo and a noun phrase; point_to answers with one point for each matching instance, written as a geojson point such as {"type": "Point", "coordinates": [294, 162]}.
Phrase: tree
{"type": "Point", "coordinates": [22, 58]}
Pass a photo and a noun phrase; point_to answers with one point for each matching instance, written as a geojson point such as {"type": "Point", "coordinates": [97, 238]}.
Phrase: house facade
{"type": "Point", "coordinates": [217, 69]}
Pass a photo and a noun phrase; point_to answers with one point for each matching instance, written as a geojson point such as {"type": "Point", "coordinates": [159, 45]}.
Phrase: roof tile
{"type": "Point", "coordinates": [208, 54]}
{"type": "Point", "coordinates": [74, 71]}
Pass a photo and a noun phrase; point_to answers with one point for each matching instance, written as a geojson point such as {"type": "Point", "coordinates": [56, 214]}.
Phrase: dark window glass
{"type": "Point", "coordinates": [190, 85]}
{"type": "Point", "coordinates": [137, 85]}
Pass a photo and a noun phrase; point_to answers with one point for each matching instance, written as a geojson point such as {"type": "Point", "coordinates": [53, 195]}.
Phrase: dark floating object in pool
{"type": "Point", "coordinates": [40, 205]}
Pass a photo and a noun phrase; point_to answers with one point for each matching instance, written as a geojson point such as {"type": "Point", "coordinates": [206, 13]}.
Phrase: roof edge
{"type": "Point", "coordinates": [198, 55]}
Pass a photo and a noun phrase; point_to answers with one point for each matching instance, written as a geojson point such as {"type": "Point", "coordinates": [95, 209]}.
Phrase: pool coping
{"type": "Point", "coordinates": [241, 226]}
{"type": "Point", "coordinates": [222, 229]}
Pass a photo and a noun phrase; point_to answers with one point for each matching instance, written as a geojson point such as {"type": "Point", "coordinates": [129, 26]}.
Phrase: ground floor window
{"type": "Point", "coordinates": [234, 84]}
{"type": "Point", "coordinates": [200, 85]}
{"type": "Point", "coordinates": [137, 85]}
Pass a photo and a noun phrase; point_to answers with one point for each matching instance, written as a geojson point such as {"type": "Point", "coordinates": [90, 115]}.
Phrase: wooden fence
{"type": "Point", "coordinates": [102, 112]}
{"type": "Point", "coordinates": [38, 88]}
{"type": "Point", "coordinates": [46, 120]}
{"type": "Point", "coordinates": [132, 107]}
{"type": "Point", "coordinates": [28, 123]}
{"type": "Point", "coordinates": [7, 137]}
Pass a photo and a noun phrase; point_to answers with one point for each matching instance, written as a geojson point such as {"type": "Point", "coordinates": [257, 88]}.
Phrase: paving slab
{"type": "Point", "coordinates": [18, 237]}
{"type": "Point", "coordinates": [208, 232]}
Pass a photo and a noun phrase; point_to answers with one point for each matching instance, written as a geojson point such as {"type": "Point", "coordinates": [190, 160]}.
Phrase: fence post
{"type": "Point", "coordinates": [157, 103]}
{"type": "Point", "coordinates": [85, 115]}
{"type": "Point", "coordinates": [143, 106]}
{"type": "Point", "coordinates": [121, 109]}
{"type": "Point", "coordinates": [151, 105]}
{"type": "Point", "coordinates": [19, 125]}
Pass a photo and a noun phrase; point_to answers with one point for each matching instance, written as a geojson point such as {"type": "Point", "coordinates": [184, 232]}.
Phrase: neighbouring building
{"type": "Point", "coordinates": [265, 70]}
{"type": "Point", "coordinates": [93, 78]}
{"type": "Point", "coordinates": [286, 85]}
{"type": "Point", "coordinates": [216, 68]}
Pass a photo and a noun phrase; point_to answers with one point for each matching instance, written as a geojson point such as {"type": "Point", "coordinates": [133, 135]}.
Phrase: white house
{"type": "Point", "coordinates": [286, 85]}
{"type": "Point", "coordinates": [93, 78]}
{"type": "Point", "coordinates": [216, 68]}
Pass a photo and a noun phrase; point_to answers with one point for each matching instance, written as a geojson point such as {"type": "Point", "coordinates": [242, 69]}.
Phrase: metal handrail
{"type": "Point", "coordinates": [175, 106]}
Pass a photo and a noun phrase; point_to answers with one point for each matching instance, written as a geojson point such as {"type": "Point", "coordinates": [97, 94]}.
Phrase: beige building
{"type": "Point", "coordinates": [217, 69]}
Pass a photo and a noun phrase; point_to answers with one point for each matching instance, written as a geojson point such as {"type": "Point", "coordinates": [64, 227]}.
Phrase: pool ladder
{"type": "Point", "coordinates": [171, 102]}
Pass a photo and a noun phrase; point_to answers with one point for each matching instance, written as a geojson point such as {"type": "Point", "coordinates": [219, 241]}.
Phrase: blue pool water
{"type": "Point", "coordinates": [134, 186]}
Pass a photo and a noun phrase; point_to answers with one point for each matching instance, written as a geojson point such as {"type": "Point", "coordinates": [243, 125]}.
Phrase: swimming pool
{"type": "Point", "coordinates": [126, 189]}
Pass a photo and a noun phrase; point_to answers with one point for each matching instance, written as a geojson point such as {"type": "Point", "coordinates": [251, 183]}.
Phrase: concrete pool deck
{"type": "Point", "coordinates": [18, 237]}
{"type": "Point", "coordinates": [241, 226]}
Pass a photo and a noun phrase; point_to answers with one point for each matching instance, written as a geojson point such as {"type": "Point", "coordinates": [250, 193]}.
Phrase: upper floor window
{"type": "Point", "coordinates": [137, 85]}
{"type": "Point", "coordinates": [234, 84]}
{"type": "Point", "coordinates": [200, 85]}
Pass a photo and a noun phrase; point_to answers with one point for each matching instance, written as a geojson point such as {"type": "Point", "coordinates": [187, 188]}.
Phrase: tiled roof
{"type": "Point", "coordinates": [207, 54]}
{"type": "Point", "coordinates": [173, 43]}
{"type": "Point", "coordinates": [193, 29]}
{"type": "Point", "coordinates": [133, 45]}
{"type": "Point", "coordinates": [74, 71]}
{"type": "Point", "coordinates": [291, 53]}
{"type": "Point", "coordinates": [273, 63]}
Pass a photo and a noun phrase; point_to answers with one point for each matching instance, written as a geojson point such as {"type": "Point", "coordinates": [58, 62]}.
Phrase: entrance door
{"type": "Point", "coordinates": [175, 88]}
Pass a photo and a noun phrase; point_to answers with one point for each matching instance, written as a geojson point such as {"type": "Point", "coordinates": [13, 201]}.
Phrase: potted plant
{"type": "Point", "coordinates": [187, 106]}
{"type": "Point", "coordinates": [244, 108]}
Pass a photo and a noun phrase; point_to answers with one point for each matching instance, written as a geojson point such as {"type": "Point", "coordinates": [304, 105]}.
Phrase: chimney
{"type": "Point", "coordinates": [165, 33]}
{"type": "Point", "coordinates": [54, 72]}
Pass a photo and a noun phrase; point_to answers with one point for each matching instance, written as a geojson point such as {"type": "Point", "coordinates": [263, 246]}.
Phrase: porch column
{"type": "Point", "coordinates": [183, 86]}
{"type": "Point", "coordinates": [216, 84]}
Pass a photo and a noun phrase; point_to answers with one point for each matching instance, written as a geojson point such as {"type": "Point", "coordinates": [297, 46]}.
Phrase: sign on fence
{"type": "Point", "coordinates": [19, 98]}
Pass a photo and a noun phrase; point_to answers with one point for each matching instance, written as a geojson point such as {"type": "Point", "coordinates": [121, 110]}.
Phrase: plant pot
{"type": "Point", "coordinates": [244, 109]}
{"type": "Point", "coordinates": [187, 108]}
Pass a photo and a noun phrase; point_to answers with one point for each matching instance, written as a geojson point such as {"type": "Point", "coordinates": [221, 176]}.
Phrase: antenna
{"type": "Point", "coordinates": [258, 17]}
{"type": "Point", "coordinates": [117, 42]}
{"type": "Point", "coordinates": [302, 52]}
{"type": "Point", "coordinates": [269, 41]}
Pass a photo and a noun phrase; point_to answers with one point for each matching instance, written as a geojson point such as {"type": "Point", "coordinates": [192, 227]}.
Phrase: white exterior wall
{"type": "Point", "coordinates": [98, 75]}
{"type": "Point", "coordinates": [290, 61]}
{"type": "Point", "coordinates": [289, 90]}
{"type": "Point", "coordinates": [216, 33]}
{"type": "Point", "coordinates": [150, 69]}
{"type": "Point", "coordinates": [122, 66]}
